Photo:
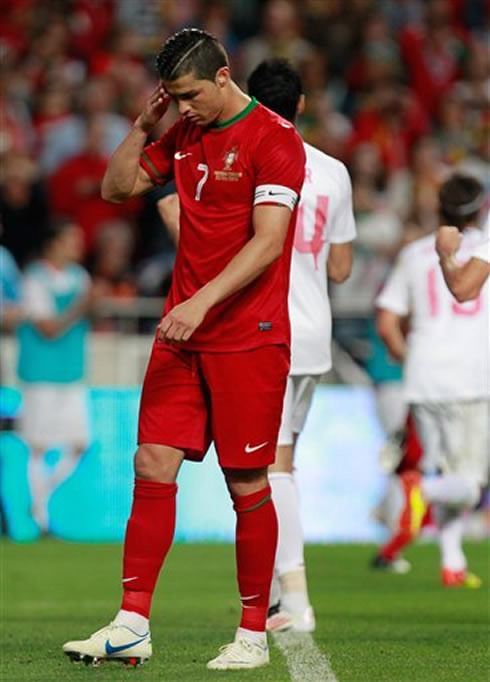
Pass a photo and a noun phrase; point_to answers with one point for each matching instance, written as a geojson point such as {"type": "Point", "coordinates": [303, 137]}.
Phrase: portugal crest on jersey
{"type": "Point", "coordinates": [229, 157]}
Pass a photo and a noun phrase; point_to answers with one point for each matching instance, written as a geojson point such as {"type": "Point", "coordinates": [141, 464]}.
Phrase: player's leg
{"type": "Point", "coordinates": [465, 432]}
{"type": "Point", "coordinates": [172, 409]}
{"type": "Point", "coordinates": [72, 430]}
{"type": "Point", "coordinates": [461, 442]}
{"type": "Point", "coordinates": [146, 545]}
{"type": "Point", "coordinates": [388, 557]}
{"type": "Point", "coordinates": [39, 487]}
{"type": "Point", "coordinates": [247, 391]}
{"type": "Point", "coordinates": [36, 429]}
{"type": "Point", "coordinates": [295, 611]}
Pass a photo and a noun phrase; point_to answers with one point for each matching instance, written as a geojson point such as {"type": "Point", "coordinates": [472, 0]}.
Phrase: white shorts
{"type": "Point", "coordinates": [297, 401]}
{"type": "Point", "coordinates": [455, 437]}
{"type": "Point", "coordinates": [53, 415]}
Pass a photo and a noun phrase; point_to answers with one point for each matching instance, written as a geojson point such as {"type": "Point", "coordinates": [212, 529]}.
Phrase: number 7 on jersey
{"type": "Point", "coordinates": [203, 167]}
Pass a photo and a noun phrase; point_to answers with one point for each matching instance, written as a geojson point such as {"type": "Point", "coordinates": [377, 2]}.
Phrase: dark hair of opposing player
{"type": "Point", "coordinates": [55, 229]}
{"type": "Point", "coordinates": [460, 200]}
{"type": "Point", "coordinates": [191, 51]}
{"type": "Point", "coordinates": [277, 86]}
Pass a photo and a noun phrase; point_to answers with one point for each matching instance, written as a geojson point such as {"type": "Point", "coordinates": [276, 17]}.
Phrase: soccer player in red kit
{"type": "Point", "coordinates": [220, 359]}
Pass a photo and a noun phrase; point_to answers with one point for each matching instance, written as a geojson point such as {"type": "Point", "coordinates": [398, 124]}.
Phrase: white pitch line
{"type": "Point", "coordinates": [304, 659]}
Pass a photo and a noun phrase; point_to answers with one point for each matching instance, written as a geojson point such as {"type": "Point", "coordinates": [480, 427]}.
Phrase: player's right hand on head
{"type": "Point", "coordinates": [155, 107]}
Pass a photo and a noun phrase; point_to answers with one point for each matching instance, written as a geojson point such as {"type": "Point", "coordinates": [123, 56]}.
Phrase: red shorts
{"type": "Point", "coordinates": [191, 398]}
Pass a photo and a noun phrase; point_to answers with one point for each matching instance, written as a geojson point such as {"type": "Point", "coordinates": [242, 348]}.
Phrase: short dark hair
{"type": "Point", "coordinates": [460, 200]}
{"type": "Point", "coordinates": [191, 50]}
{"type": "Point", "coordinates": [277, 86]}
{"type": "Point", "coordinates": [56, 227]}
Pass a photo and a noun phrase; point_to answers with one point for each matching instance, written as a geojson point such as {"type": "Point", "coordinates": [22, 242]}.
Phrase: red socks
{"type": "Point", "coordinates": [149, 535]}
{"type": "Point", "coordinates": [256, 540]}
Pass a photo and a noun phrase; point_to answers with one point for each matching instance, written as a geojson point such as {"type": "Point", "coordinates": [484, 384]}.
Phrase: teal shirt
{"type": "Point", "coordinates": [57, 360]}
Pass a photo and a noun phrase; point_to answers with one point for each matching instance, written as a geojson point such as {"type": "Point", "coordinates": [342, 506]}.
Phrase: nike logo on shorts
{"type": "Point", "coordinates": [250, 448]}
{"type": "Point", "coordinates": [181, 155]}
{"type": "Point", "coordinates": [128, 580]}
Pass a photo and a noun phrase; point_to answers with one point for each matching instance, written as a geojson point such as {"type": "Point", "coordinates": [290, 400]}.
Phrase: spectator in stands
{"type": "Point", "coordinates": [390, 118]}
{"type": "Point", "coordinates": [75, 188]}
{"type": "Point", "coordinates": [280, 36]}
{"type": "Point", "coordinates": [111, 260]}
{"type": "Point", "coordinates": [99, 99]}
{"type": "Point", "coordinates": [57, 300]}
{"type": "Point", "coordinates": [23, 207]}
{"type": "Point", "coordinates": [434, 53]}
{"type": "Point", "coordinates": [60, 133]}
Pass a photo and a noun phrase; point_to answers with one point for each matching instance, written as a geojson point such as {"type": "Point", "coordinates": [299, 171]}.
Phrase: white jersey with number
{"type": "Point", "coordinates": [324, 217]}
{"type": "Point", "coordinates": [448, 346]}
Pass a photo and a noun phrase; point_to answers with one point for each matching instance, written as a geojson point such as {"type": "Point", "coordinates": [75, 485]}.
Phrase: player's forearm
{"type": "Point", "coordinates": [122, 171]}
{"type": "Point", "coordinates": [53, 327]}
{"type": "Point", "coordinates": [464, 281]}
{"type": "Point", "coordinates": [339, 264]}
{"type": "Point", "coordinates": [388, 326]}
{"type": "Point", "coordinates": [248, 264]}
{"type": "Point", "coordinates": [396, 344]}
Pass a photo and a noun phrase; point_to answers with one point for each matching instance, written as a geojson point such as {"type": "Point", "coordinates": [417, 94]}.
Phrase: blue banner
{"type": "Point", "coordinates": [338, 476]}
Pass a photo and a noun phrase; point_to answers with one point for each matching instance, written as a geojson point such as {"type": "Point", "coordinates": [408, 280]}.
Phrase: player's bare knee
{"type": "Point", "coordinates": [157, 463]}
{"type": "Point", "coordinates": [245, 481]}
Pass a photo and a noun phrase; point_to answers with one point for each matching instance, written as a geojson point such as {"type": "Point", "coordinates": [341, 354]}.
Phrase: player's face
{"type": "Point", "coordinates": [201, 101]}
{"type": "Point", "coordinates": [71, 242]}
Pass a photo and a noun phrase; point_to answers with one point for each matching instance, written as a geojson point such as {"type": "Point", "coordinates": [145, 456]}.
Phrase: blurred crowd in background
{"type": "Point", "coordinates": [398, 90]}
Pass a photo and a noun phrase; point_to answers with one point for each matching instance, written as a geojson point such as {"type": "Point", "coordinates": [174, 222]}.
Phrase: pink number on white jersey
{"type": "Point", "coordinates": [468, 308]}
{"type": "Point", "coordinates": [315, 245]}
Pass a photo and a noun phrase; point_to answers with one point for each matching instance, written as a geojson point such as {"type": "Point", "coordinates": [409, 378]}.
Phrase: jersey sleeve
{"type": "Point", "coordinates": [157, 158]}
{"type": "Point", "coordinates": [38, 303]}
{"type": "Point", "coordinates": [280, 166]}
{"type": "Point", "coordinates": [395, 295]}
{"type": "Point", "coordinates": [343, 226]}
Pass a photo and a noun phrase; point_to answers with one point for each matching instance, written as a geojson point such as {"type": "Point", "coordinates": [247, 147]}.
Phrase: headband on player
{"type": "Point", "coordinates": [470, 207]}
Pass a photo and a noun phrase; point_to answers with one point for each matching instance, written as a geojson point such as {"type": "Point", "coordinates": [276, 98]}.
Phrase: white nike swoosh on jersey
{"type": "Point", "coordinates": [128, 580]}
{"type": "Point", "coordinates": [181, 155]}
{"type": "Point", "coordinates": [252, 596]}
{"type": "Point", "coordinates": [249, 448]}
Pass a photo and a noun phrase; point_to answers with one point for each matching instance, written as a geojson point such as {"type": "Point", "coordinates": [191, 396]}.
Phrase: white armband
{"type": "Point", "coordinates": [275, 194]}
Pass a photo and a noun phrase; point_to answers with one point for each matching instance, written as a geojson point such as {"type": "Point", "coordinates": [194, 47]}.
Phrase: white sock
{"type": "Point", "coordinates": [290, 553]}
{"type": "Point", "coordinates": [138, 623]}
{"type": "Point", "coordinates": [294, 592]}
{"type": "Point", "coordinates": [275, 593]}
{"type": "Point", "coordinates": [256, 637]}
{"type": "Point", "coordinates": [66, 465]}
{"type": "Point", "coordinates": [39, 488]}
{"type": "Point", "coordinates": [450, 489]}
{"type": "Point", "coordinates": [290, 545]}
{"type": "Point", "coordinates": [451, 526]}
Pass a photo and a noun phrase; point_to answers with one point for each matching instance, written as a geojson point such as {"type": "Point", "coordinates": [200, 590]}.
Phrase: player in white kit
{"type": "Point", "coordinates": [324, 232]}
{"type": "Point", "coordinates": [446, 358]}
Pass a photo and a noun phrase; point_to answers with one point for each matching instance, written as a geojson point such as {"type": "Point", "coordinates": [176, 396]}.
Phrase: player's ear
{"type": "Point", "coordinates": [301, 105]}
{"type": "Point", "coordinates": [222, 76]}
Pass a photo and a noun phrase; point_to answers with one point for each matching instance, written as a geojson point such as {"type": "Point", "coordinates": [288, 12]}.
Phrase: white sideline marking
{"type": "Point", "coordinates": [304, 659]}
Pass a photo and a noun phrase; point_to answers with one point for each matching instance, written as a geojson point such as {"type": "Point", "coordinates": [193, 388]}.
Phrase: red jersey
{"type": "Point", "coordinates": [221, 173]}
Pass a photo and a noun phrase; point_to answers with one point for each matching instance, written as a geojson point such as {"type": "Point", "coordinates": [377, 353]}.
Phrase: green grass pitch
{"type": "Point", "coordinates": [373, 627]}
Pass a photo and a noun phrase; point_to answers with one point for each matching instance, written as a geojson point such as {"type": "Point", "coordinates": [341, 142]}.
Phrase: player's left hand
{"type": "Point", "coordinates": [180, 323]}
{"type": "Point", "coordinates": [448, 241]}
